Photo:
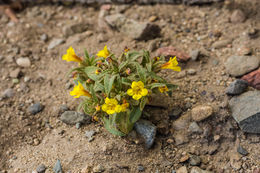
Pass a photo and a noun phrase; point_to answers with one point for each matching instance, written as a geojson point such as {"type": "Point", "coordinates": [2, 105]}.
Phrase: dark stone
{"type": "Point", "coordinates": [72, 118]}
{"type": "Point", "coordinates": [41, 168]}
{"type": "Point", "coordinates": [242, 151]}
{"type": "Point", "coordinates": [194, 160]}
{"type": "Point", "coordinates": [175, 113]}
{"type": "Point", "coordinates": [140, 168]}
{"type": "Point", "coordinates": [57, 168]}
{"type": "Point", "coordinates": [147, 130]}
{"type": "Point", "coordinates": [246, 111]}
{"type": "Point", "coordinates": [35, 108]}
{"type": "Point", "coordinates": [237, 87]}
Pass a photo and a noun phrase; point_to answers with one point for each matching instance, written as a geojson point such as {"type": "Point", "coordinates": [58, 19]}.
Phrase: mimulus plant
{"type": "Point", "coordinates": [114, 89]}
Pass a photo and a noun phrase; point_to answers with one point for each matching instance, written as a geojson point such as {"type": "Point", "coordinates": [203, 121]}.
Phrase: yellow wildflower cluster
{"type": "Point", "coordinates": [171, 64]}
{"type": "Point", "coordinates": [137, 90]}
{"type": "Point", "coordinates": [79, 90]}
{"type": "Point", "coordinates": [111, 106]}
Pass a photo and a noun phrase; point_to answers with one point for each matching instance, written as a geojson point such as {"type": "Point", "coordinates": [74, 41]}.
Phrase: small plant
{"type": "Point", "coordinates": [115, 89]}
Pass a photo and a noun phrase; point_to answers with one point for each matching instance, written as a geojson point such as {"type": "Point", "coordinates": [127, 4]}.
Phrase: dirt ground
{"type": "Point", "coordinates": [27, 141]}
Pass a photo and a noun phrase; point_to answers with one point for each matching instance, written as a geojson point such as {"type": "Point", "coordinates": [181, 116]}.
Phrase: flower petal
{"type": "Point", "coordinates": [130, 92]}
{"type": "Point", "coordinates": [111, 111]}
{"type": "Point", "coordinates": [137, 97]}
{"type": "Point", "coordinates": [104, 107]}
{"type": "Point", "coordinates": [118, 108]}
{"type": "Point", "coordinates": [140, 84]}
{"type": "Point", "coordinates": [144, 92]}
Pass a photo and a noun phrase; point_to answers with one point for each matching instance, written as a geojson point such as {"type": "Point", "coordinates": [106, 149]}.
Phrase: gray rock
{"type": "Point", "coordinates": [55, 42]}
{"type": "Point", "coordinates": [175, 113]}
{"type": "Point", "coordinates": [194, 54]}
{"type": "Point", "coordinates": [146, 130]}
{"type": "Point", "coordinates": [99, 168]}
{"type": "Point", "coordinates": [8, 93]}
{"type": "Point", "coordinates": [133, 29]}
{"type": "Point", "coordinates": [35, 108]}
{"type": "Point", "coordinates": [74, 28]}
{"type": "Point", "coordinates": [41, 168]}
{"type": "Point", "coordinates": [237, 87]}
{"type": "Point", "coordinates": [89, 134]}
{"type": "Point", "coordinates": [198, 170]}
{"type": "Point", "coordinates": [63, 108]}
{"type": "Point", "coordinates": [240, 65]}
{"type": "Point", "coordinates": [242, 151]}
{"type": "Point", "coordinates": [180, 138]}
{"type": "Point", "coordinates": [23, 62]}
{"type": "Point", "coordinates": [182, 169]}
{"type": "Point", "coordinates": [15, 73]}
{"type": "Point", "coordinates": [194, 128]}
{"type": "Point", "coordinates": [246, 111]}
{"type": "Point", "coordinates": [221, 43]}
{"type": "Point", "coordinates": [191, 71]}
{"type": "Point", "coordinates": [57, 168]}
{"type": "Point", "coordinates": [140, 168]}
{"type": "Point", "coordinates": [78, 125]}
{"type": "Point", "coordinates": [194, 160]}
{"type": "Point", "coordinates": [72, 118]}
{"type": "Point", "coordinates": [237, 16]}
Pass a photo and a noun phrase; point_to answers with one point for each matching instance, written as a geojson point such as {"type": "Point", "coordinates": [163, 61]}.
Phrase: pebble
{"type": "Point", "coordinates": [175, 113]}
{"type": "Point", "coordinates": [221, 43]}
{"type": "Point", "coordinates": [180, 138]}
{"type": "Point", "coordinates": [182, 169]}
{"type": "Point", "coordinates": [253, 79]}
{"type": "Point", "coordinates": [194, 54]}
{"type": "Point", "coordinates": [240, 65]}
{"type": "Point", "coordinates": [15, 73]}
{"type": "Point", "coordinates": [245, 110]}
{"type": "Point", "coordinates": [35, 108]}
{"type": "Point", "coordinates": [74, 28]}
{"type": "Point", "coordinates": [15, 81]}
{"type": "Point", "coordinates": [237, 87]}
{"type": "Point", "coordinates": [147, 131]}
{"type": "Point", "coordinates": [26, 79]}
{"type": "Point", "coordinates": [171, 52]}
{"type": "Point", "coordinates": [57, 168]}
{"type": "Point", "coordinates": [244, 51]}
{"type": "Point", "coordinates": [23, 62]}
{"type": "Point", "coordinates": [63, 108]}
{"type": "Point", "coordinates": [41, 168]}
{"type": "Point", "coordinates": [182, 122]}
{"type": "Point", "coordinates": [238, 16]}
{"type": "Point", "coordinates": [194, 128]}
{"type": "Point", "coordinates": [8, 93]}
{"type": "Point", "coordinates": [140, 168]}
{"type": "Point", "coordinates": [98, 168]}
{"type": "Point", "coordinates": [202, 112]}
{"type": "Point", "coordinates": [55, 42]}
{"type": "Point", "coordinates": [242, 151]}
{"type": "Point", "coordinates": [196, 169]}
{"type": "Point", "coordinates": [191, 71]}
{"type": "Point", "coordinates": [44, 37]}
{"type": "Point", "coordinates": [194, 160]}
{"type": "Point", "coordinates": [153, 18]}
{"type": "Point", "coordinates": [89, 134]}
{"type": "Point", "coordinates": [72, 118]}
{"type": "Point", "coordinates": [133, 29]}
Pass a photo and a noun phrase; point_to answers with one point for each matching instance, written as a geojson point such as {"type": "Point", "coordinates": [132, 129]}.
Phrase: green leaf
{"type": "Point", "coordinates": [133, 56]}
{"type": "Point", "coordinates": [110, 127]}
{"type": "Point", "coordinates": [157, 85]}
{"type": "Point", "coordinates": [99, 87]}
{"type": "Point", "coordinates": [171, 86]}
{"type": "Point", "coordinates": [143, 103]}
{"type": "Point", "coordinates": [149, 66]}
{"type": "Point", "coordinates": [141, 72]}
{"type": "Point", "coordinates": [126, 81]}
{"type": "Point", "coordinates": [93, 93]}
{"type": "Point", "coordinates": [135, 114]}
{"type": "Point", "coordinates": [108, 83]}
{"type": "Point", "coordinates": [122, 65]}
{"type": "Point", "coordinates": [90, 71]}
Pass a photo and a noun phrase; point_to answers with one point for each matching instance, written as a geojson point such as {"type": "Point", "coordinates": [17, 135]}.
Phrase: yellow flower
{"type": "Point", "coordinates": [78, 91]}
{"type": "Point", "coordinates": [71, 56]}
{"type": "Point", "coordinates": [103, 53]}
{"type": "Point", "coordinates": [171, 64]}
{"type": "Point", "coordinates": [111, 106]}
{"type": "Point", "coordinates": [137, 90]}
{"type": "Point", "coordinates": [97, 108]}
{"type": "Point", "coordinates": [163, 89]}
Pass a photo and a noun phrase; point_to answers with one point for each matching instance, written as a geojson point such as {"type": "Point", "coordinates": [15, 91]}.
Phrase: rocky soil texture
{"type": "Point", "coordinates": [211, 124]}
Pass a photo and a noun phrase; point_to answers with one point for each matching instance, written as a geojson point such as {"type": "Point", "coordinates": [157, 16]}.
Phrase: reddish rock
{"type": "Point", "coordinates": [172, 51]}
{"type": "Point", "coordinates": [253, 79]}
